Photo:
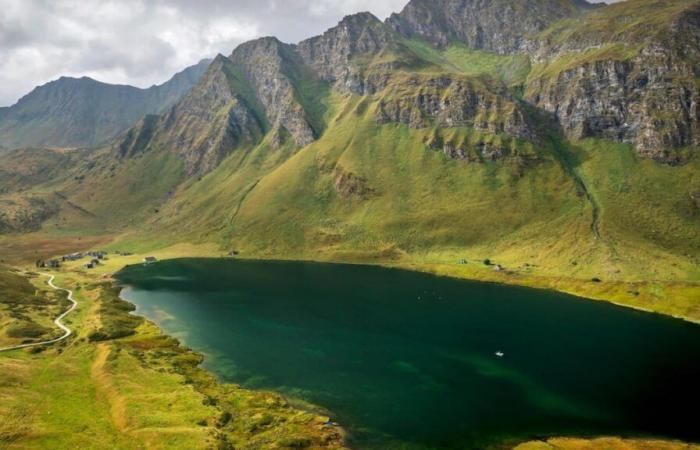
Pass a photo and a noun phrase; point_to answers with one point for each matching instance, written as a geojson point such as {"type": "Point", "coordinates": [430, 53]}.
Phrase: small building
{"type": "Point", "coordinates": [149, 259]}
{"type": "Point", "coordinates": [97, 254]}
{"type": "Point", "coordinates": [233, 253]}
{"type": "Point", "coordinates": [52, 263]}
{"type": "Point", "coordinates": [498, 268]}
{"type": "Point", "coordinates": [89, 265]}
{"type": "Point", "coordinates": [73, 257]}
{"type": "Point", "coordinates": [462, 262]}
{"type": "Point", "coordinates": [95, 262]}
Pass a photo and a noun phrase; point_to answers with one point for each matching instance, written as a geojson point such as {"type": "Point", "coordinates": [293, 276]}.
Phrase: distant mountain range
{"type": "Point", "coordinates": [553, 134]}
{"type": "Point", "coordinates": [80, 112]}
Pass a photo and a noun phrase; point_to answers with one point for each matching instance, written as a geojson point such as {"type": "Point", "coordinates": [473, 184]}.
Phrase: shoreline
{"type": "Point", "coordinates": [674, 298]}
{"type": "Point", "coordinates": [507, 278]}
{"type": "Point", "coordinates": [296, 403]}
{"type": "Point", "coordinates": [525, 444]}
{"type": "Point", "coordinates": [115, 264]}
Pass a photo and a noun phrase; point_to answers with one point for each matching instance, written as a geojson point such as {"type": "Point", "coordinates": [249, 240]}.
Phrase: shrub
{"type": "Point", "coordinates": [224, 419]}
{"type": "Point", "coordinates": [295, 442]}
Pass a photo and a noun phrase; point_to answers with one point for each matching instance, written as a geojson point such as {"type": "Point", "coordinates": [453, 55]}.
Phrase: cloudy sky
{"type": "Point", "coordinates": [144, 42]}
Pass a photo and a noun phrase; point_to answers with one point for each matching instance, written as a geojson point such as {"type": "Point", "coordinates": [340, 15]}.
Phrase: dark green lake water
{"type": "Point", "coordinates": [407, 360]}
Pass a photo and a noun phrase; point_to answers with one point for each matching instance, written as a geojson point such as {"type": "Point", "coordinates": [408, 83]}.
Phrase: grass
{"type": "Point", "coordinates": [146, 390]}
{"type": "Point", "coordinates": [618, 32]}
{"type": "Point", "coordinates": [604, 443]}
{"type": "Point", "coordinates": [373, 193]}
{"type": "Point", "coordinates": [27, 310]}
{"type": "Point", "coordinates": [143, 390]}
{"type": "Point", "coordinates": [636, 21]}
{"type": "Point", "coordinates": [458, 58]}
{"type": "Point", "coordinates": [292, 205]}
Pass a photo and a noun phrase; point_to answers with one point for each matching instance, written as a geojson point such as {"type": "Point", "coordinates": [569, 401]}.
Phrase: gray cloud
{"type": "Point", "coordinates": [143, 42]}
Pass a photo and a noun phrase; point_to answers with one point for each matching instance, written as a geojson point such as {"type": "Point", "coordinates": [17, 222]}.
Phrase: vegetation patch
{"type": "Point", "coordinates": [26, 312]}
{"type": "Point", "coordinates": [115, 314]}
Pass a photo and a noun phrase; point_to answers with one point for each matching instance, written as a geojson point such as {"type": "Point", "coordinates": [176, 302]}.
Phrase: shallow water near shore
{"type": "Point", "coordinates": [408, 360]}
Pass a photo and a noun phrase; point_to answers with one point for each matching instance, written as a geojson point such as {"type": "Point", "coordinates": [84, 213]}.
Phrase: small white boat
{"type": "Point", "coordinates": [500, 354]}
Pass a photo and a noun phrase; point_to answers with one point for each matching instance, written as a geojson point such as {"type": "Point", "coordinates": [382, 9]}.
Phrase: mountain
{"type": "Point", "coordinates": [79, 112]}
{"type": "Point", "coordinates": [628, 73]}
{"type": "Point", "coordinates": [555, 137]}
{"type": "Point", "coordinates": [499, 26]}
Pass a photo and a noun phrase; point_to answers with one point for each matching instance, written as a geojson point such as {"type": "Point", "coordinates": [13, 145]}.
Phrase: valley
{"type": "Point", "coordinates": [547, 144]}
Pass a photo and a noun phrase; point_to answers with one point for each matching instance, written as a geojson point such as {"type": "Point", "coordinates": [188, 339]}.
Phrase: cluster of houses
{"type": "Point", "coordinates": [96, 258]}
{"type": "Point", "coordinates": [51, 264]}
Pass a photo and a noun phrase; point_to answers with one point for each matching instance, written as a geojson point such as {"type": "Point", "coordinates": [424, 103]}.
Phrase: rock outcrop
{"type": "Point", "coordinates": [421, 101]}
{"type": "Point", "coordinates": [349, 185]}
{"type": "Point", "coordinates": [334, 56]}
{"type": "Point", "coordinates": [271, 67]}
{"type": "Point", "coordinates": [499, 26]}
{"type": "Point", "coordinates": [637, 86]}
{"type": "Point", "coordinates": [24, 214]}
{"type": "Point", "coordinates": [203, 128]}
{"type": "Point", "coordinates": [651, 101]}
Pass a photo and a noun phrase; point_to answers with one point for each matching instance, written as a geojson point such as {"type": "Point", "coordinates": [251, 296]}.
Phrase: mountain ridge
{"type": "Point", "coordinates": [83, 112]}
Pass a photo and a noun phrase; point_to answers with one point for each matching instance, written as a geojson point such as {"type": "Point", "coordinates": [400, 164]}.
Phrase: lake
{"type": "Point", "coordinates": [408, 360]}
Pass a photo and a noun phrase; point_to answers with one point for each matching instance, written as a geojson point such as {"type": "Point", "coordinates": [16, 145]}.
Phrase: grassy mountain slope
{"type": "Point", "coordinates": [368, 191]}
{"type": "Point", "coordinates": [410, 154]}
{"type": "Point", "coordinates": [564, 156]}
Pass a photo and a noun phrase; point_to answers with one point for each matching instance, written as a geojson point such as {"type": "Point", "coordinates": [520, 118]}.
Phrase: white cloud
{"type": "Point", "coordinates": [144, 42]}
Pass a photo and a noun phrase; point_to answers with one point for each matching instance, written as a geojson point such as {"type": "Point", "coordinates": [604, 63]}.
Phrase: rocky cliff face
{"type": "Point", "coordinates": [500, 26]}
{"type": "Point", "coordinates": [651, 101]}
{"type": "Point", "coordinates": [271, 67]}
{"type": "Point", "coordinates": [639, 86]}
{"type": "Point", "coordinates": [453, 101]}
{"type": "Point", "coordinates": [203, 128]}
{"type": "Point", "coordinates": [626, 72]}
{"type": "Point", "coordinates": [333, 55]}
{"type": "Point", "coordinates": [238, 100]}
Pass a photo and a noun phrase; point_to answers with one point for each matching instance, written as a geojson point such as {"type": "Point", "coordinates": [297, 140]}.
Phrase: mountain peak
{"type": "Point", "coordinates": [363, 17]}
{"type": "Point", "coordinates": [500, 26]}
{"type": "Point", "coordinates": [265, 43]}
{"type": "Point", "coordinates": [330, 54]}
{"type": "Point", "coordinates": [79, 112]}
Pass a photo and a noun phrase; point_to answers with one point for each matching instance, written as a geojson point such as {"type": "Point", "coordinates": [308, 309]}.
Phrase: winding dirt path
{"type": "Point", "coordinates": [67, 331]}
{"type": "Point", "coordinates": [106, 387]}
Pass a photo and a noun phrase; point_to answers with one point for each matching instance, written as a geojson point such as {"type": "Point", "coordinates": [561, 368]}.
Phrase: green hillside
{"type": "Point", "coordinates": [395, 149]}
{"type": "Point", "coordinates": [545, 143]}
